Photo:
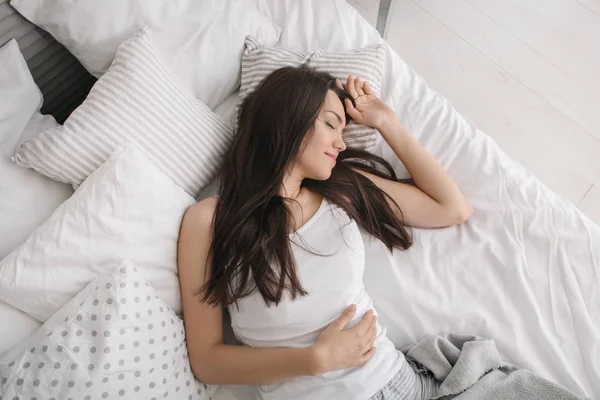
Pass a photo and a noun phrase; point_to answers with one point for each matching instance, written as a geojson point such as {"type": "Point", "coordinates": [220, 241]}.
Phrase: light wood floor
{"type": "Point", "coordinates": [527, 72]}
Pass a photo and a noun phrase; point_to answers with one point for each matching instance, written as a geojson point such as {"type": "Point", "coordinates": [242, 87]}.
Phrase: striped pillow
{"type": "Point", "coordinates": [139, 100]}
{"type": "Point", "coordinates": [258, 62]}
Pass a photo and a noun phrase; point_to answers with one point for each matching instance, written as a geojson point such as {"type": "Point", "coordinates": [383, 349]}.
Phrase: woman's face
{"type": "Point", "coordinates": [321, 147]}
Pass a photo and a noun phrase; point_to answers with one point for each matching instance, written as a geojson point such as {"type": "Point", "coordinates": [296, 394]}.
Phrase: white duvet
{"type": "Point", "coordinates": [524, 270]}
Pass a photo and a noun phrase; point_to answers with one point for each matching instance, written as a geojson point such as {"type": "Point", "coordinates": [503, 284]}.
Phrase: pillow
{"type": "Point", "coordinates": [26, 198]}
{"type": "Point", "coordinates": [15, 326]}
{"type": "Point", "coordinates": [259, 61]}
{"type": "Point", "coordinates": [307, 25]}
{"type": "Point", "coordinates": [115, 339]}
{"type": "Point", "coordinates": [126, 208]}
{"type": "Point", "coordinates": [138, 100]}
{"type": "Point", "coordinates": [228, 108]}
{"type": "Point", "coordinates": [202, 40]}
{"type": "Point", "coordinates": [19, 96]}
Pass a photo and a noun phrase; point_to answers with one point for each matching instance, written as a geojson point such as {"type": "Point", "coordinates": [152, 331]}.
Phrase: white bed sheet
{"type": "Point", "coordinates": [523, 271]}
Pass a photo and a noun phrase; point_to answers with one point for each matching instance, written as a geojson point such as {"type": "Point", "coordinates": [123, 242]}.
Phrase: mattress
{"type": "Point", "coordinates": [523, 271]}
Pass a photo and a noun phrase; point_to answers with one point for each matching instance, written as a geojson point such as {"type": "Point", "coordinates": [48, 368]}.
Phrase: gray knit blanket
{"type": "Point", "coordinates": [470, 368]}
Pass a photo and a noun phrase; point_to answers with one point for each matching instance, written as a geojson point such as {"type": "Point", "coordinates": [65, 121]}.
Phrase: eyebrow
{"type": "Point", "coordinates": [336, 114]}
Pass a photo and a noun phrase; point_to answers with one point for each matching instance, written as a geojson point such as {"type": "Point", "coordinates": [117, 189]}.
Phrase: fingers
{"type": "Point", "coordinates": [367, 322]}
{"type": "Point", "coordinates": [353, 112]}
{"type": "Point", "coordinates": [357, 87]}
{"type": "Point", "coordinates": [346, 317]}
{"type": "Point", "coordinates": [368, 340]}
{"type": "Point", "coordinates": [372, 332]}
{"type": "Point", "coordinates": [367, 350]}
{"type": "Point", "coordinates": [366, 357]}
{"type": "Point", "coordinates": [358, 83]}
{"type": "Point", "coordinates": [351, 86]}
{"type": "Point", "coordinates": [339, 84]}
{"type": "Point", "coordinates": [371, 336]}
{"type": "Point", "coordinates": [367, 87]}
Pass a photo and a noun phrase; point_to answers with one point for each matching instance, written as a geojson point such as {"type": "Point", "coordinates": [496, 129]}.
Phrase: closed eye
{"type": "Point", "coordinates": [330, 125]}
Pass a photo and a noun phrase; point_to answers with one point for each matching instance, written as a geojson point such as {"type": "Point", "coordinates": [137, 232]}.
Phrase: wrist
{"type": "Point", "coordinates": [316, 360]}
{"type": "Point", "coordinates": [395, 131]}
{"type": "Point", "coordinates": [389, 125]}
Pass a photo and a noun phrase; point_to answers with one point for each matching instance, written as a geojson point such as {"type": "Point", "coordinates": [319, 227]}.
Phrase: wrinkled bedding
{"type": "Point", "coordinates": [524, 271]}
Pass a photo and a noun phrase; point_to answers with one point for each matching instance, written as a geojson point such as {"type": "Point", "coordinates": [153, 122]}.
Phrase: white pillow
{"type": "Point", "coordinates": [138, 100]}
{"type": "Point", "coordinates": [19, 96]}
{"type": "Point", "coordinates": [308, 25]}
{"type": "Point", "coordinates": [115, 339]}
{"type": "Point", "coordinates": [259, 61]}
{"type": "Point", "coordinates": [26, 198]}
{"type": "Point", "coordinates": [202, 40]}
{"type": "Point", "coordinates": [126, 208]}
{"type": "Point", "coordinates": [15, 327]}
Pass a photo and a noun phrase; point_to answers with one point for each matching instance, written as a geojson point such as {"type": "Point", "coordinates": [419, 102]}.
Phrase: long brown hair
{"type": "Point", "coordinates": [250, 247]}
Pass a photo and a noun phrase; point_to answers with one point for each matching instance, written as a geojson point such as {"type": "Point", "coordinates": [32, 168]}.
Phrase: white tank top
{"type": "Point", "coordinates": [330, 261]}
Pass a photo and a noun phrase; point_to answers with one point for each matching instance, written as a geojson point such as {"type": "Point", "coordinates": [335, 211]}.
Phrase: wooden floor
{"type": "Point", "coordinates": [527, 72]}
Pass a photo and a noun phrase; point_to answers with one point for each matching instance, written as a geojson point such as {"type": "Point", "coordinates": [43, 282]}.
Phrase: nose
{"type": "Point", "coordinates": [339, 144]}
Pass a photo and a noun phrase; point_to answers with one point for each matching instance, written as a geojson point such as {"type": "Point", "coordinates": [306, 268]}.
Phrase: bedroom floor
{"type": "Point", "coordinates": [526, 74]}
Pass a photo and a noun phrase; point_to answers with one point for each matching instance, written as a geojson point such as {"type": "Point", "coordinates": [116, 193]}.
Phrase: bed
{"type": "Point", "coordinates": [524, 271]}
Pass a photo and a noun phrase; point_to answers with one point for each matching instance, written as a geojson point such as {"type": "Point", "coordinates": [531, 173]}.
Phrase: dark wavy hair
{"type": "Point", "coordinates": [250, 247]}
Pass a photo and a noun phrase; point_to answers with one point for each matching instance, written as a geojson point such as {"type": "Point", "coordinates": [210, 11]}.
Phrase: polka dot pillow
{"type": "Point", "coordinates": [115, 339]}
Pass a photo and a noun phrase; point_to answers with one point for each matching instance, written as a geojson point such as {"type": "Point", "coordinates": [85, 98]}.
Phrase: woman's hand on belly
{"type": "Point", "coordinates": [338, 348]}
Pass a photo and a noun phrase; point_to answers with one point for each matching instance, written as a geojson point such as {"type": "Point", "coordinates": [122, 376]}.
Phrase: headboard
{"type": "Point", "coordinates": [63, 81]}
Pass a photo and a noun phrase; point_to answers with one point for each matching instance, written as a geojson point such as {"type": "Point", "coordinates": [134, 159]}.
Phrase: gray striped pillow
{"type": "Point", "coordinates": [139, 100]}
{"type": "Point", "coordinates": [258, 62]}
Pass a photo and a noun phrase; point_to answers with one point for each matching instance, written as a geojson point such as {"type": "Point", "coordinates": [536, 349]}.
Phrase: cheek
{"type": "Point", "coordinates": [314, 163]}
{"type": "Point", "coordinates": [316, 150]}
{"type": "Point", "coordinates": [320, 140]}
{"type": "Point", "coordinates": [312, 157]}
{"type": "Point", "coordinates": [309, 157]}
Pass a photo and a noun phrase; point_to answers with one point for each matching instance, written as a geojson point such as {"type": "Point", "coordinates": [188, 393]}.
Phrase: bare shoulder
{"type": "Point", "coordinates": [198, 219]}
{"type": "Point", "coordinates": [195, 237]}
{"type": "Point", "coordinates": [202, 212]}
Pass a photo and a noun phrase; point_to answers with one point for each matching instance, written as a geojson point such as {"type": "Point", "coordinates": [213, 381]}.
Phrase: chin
{"type": "Point", "coordinates": [326, 174]}
{"type": "Point", "coordinates": [322, 175]}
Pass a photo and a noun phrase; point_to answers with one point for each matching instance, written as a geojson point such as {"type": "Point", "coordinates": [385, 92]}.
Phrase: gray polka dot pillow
{"type": "Point", "coordinates": [115, 339]}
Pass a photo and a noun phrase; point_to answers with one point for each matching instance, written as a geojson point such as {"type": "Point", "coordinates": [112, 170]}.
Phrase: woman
{"type": "Point", "coordinates": [281, 249]}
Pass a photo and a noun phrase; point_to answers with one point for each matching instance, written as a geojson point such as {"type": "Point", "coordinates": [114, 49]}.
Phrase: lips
{"type": "Point", "coordinates": [332, 156]}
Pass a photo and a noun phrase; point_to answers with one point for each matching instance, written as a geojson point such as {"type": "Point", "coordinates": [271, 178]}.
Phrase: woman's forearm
{"type": "Point", "coordinates": [238, 365]}
{"type": "Point", "coordinates": [427, 174]}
